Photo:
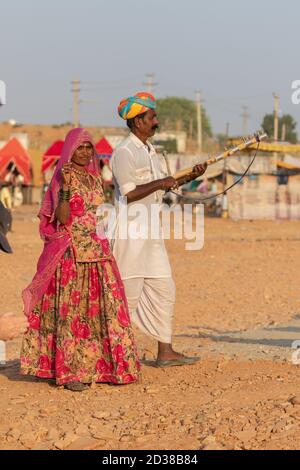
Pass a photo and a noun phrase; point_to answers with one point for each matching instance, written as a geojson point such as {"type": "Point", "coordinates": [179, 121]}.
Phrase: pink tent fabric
{"type": "Point", "coordinates": [103, 148]}
{"type": "Point", "coordinates": [14, 152]}
{"type": "Point", "coordinates": [51, 156]}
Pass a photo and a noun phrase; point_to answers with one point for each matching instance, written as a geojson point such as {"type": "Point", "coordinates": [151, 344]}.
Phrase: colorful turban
{"type": "Point", "coordinates": [134, 105]}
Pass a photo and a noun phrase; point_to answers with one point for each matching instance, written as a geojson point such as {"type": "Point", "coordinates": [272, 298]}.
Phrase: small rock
{"type": "Point", "coordinates": [67, 440]}
{"type": "Point", "coordinates": [213, 446]}
{"type": "Point", "coordinates": [53, 434]}
{"type": "Point", "coordinates": [295, 400]}
{"type": "Point", "coordinates": [186, 422]}
{"type": "Point", "coordinates": [126, 438]}
{"type": "Point", "coordinates": [151, 390]}
{"type": "Point", "coordinates": [83, 443]}
{"type": "Point", "coordinates": [101, 415]}
{"type": "Point", "coordinates": [279, 426]}
{"type": "Point", "coordinates": [82, 430]}
{"type": "Point", "coordinates": [130, 414]}
{"type": "Point", "coordinates": [246, 436]}
{"type": "Point", "coordinates": [199, 418]}
{"type": "Point", "coordinates": [103, 435]}
{"type": "Point", "coordinates": [42, 446]}
{"type": "Point", "coordinates": [14, 433]}
{"type": "Point", "coordinates": [30, 416]}
{"type": "Point", "coordinates": [18, 401]}
{"type": "Point", "coordinates": [208, 440]}
{"type": "Point", "coordinates": [41, 433]}
{"type": "Point", "coordinates": [141, 439]}
{"type": "Point", "coordinates": [28, 440]}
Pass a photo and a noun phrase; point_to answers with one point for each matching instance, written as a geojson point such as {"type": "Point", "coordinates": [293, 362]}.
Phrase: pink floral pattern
{"type": "Point", "coordinates": [77, 205]}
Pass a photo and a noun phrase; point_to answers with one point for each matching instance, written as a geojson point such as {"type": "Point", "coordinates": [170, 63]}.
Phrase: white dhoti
{"type": "Point", "coordinates": [151, 304]}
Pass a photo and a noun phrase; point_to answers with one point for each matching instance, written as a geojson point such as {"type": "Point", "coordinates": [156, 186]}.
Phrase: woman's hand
{"type": "Point", "coordinates": [62, 211]}
{"type": "Point", "coordinates": [66, 173]}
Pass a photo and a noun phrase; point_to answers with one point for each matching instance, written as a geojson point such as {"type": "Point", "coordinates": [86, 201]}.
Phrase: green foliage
{"type": "Point", "coordinates": [63, 124]}
{"type": "Point", "coordinates": [170, 145]}
{"type": "Point", "coordinates": [222, 139]}
{"type": "Point", "coordinates": [175, 113]}
{"type": "Point", "coordinates": [288, 120]}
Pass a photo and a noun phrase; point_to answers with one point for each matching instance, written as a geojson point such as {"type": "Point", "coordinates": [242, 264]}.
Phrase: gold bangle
{"type": "Point", "coordinates": [64, 195]}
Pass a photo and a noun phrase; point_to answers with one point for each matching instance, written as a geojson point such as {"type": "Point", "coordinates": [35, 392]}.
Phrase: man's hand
{"type": "Point", "coordinates": [168, 183]}
{"type": "Point", "coordinates": [199, 170]}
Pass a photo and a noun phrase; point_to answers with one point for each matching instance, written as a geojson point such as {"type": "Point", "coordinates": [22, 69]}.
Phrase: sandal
{"type": "Point", "coordinates": [181, 361]}
{"type": "Point", "coordinates": [76, 386]}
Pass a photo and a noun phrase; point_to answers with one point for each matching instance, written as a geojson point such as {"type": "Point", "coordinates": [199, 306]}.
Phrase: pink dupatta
{"type": "Point", "coordinates": [55, 242]}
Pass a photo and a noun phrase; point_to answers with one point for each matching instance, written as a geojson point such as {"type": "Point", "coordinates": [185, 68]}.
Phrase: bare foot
{"type": "Point", "coordinates": [167, 353]}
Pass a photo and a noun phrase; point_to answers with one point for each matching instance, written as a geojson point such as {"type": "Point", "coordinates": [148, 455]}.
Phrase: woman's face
{"type": "Point", "coordinates": [83, 154]}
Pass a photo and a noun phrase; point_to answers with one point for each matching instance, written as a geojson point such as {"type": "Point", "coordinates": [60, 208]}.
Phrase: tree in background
{"type": "Point", "coordinates": [290, 125]}
{"type": "Point", "coordinates": [170, 145]}
{"type": "Point", "coordinates": [179, 114]}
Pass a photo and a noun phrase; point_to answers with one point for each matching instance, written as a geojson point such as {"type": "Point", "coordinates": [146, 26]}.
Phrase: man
{"type": "Point", "coordinates": [143, 262]}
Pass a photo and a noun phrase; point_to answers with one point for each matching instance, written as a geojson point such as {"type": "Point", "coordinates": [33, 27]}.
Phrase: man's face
{"type": "Point", "coordinates": [149, 123]}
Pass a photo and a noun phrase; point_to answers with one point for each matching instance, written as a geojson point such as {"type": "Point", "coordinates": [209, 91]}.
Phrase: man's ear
{"type": "Point", "coordinates": [137, 122]}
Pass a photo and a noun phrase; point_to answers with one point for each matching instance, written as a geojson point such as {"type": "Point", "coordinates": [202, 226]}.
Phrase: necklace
{"type": "Point", "coordinates": [87, 181]}
{"type": "Point", "coordinates": [81, 173]}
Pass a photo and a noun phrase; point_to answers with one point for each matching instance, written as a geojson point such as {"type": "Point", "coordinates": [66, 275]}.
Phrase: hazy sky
{"type": "Point", "coordinates": [236, 52]}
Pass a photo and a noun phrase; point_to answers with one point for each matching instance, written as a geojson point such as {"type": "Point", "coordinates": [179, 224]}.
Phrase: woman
{"type": "Point", "coordinates": [79, 329]}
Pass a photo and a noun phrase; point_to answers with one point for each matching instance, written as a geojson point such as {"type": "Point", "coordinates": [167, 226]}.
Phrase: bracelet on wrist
{"type": "Point", "coordinates": [64, 195]}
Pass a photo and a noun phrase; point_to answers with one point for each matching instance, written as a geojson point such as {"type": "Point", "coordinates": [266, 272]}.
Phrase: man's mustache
{"type": "Point", "coordinates": [156, 126]}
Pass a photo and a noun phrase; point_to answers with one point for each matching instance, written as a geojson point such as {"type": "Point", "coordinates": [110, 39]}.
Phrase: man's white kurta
{"type": "Point", "coordinates": [133, 164]}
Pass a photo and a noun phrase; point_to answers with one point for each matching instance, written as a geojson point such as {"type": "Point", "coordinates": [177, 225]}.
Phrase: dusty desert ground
{"type": "Point", "coordinates": [238, 306]}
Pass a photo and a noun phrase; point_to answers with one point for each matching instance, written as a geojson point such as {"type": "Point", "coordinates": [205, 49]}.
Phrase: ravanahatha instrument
{"type": "Point", "coordinates": [246, 142]}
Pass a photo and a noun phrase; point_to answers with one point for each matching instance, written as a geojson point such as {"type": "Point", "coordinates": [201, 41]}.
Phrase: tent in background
{"type": "Point", "coordinates": [104, 149]}
{"type": "Point", "coordinates": [14, 156]}
{"type": "Point", "coordinates": [51, 156]}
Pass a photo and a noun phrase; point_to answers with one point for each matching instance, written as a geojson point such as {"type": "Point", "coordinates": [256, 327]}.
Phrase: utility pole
{"type": "Point", "coordinates": [199, 120]}
{"type": "Point", "coordinates": [150, 84]}
{"type": "Point", "coordinates": [227, 129]}
{"type": "Point", "coordinates": [276, 114]}
{"type": "Point", "coordinates": [191, 128]}
{"type": "Point", "coordinates": [75, 90]}
{"type": "Point", "coordinates": [245, 115]}
{"type": "Point", "coordinates": [283, 132]}
{"type": "Point", "coordinates": [224, 180]}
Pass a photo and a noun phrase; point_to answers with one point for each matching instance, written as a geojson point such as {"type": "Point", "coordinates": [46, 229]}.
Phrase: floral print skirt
{"type": "Point", "coordinates": [80, 330]}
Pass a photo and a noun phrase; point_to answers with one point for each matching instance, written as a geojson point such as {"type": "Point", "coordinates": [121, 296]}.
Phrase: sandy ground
{"type": "Point", "coordinates": [237, 306]}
